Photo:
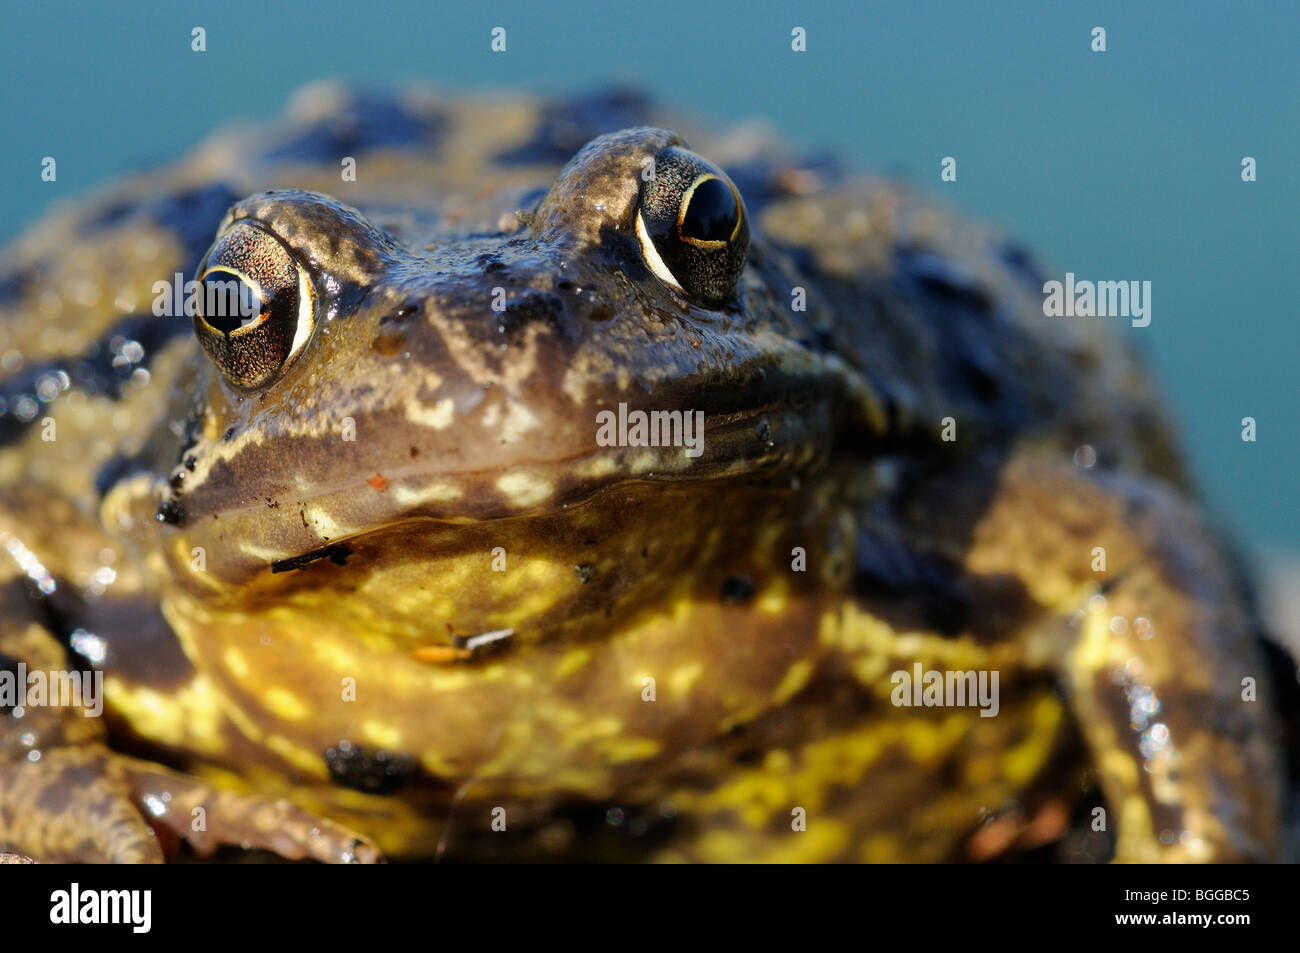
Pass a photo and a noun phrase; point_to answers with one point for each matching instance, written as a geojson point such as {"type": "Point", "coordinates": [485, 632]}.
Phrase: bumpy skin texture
{"type": "Point", "coordinates": [701, 646]}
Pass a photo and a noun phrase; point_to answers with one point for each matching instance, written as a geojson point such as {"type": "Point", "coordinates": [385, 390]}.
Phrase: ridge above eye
{"type": "Point", "coordinates": [692, 227]}
{"type": "Point", "coordinates": [257, 310]}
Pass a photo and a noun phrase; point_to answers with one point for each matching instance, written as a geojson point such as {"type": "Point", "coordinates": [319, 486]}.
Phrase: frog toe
{"type": "Point", "coordinates": [91, 805]}
{"type": "Point", "coordinates": [208, 817]}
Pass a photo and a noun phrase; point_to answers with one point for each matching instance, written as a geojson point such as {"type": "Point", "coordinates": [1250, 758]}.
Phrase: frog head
{"type": "Point", "coordinates": [402, 389]}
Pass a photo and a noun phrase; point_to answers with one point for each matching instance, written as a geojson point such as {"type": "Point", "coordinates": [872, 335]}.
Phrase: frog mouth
{"type": "Point", "coordinates": [339, 524]}
{"type": "Point", "coordinates": [319, 501]}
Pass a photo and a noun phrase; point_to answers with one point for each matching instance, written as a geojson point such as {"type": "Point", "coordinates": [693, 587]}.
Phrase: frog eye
{"type": "Point", "coordinates": [255, 307]}
{"type": "Point", "coordinates": [692, 227]}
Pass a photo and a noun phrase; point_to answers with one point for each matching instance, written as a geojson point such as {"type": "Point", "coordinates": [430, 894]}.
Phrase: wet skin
{"type": "Point", "coordinates": [361, 577]}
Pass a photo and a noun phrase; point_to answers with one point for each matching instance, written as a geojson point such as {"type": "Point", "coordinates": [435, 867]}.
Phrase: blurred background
{"type": "Point", "coordinates": [1121, 165]}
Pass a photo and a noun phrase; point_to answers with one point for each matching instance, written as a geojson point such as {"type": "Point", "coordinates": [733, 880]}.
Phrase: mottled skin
{"type": "Point", "coordinates": [422, 429]}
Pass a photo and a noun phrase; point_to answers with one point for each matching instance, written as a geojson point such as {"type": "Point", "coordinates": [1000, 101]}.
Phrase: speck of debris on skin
{"type": "Point", "coordinates": [737, 589]}
{"type": "Point", "coordinates": [371, 771]}
{"type": "Point", "coordinates": [586, 572]}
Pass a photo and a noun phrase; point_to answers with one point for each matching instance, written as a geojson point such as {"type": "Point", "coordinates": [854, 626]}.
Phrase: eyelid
{"type": "Point", "coordinates": [652, 257]}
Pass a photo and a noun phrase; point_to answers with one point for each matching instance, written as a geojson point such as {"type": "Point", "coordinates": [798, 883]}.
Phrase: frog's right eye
{"type": "Point", "coordinates": [256, 306]}
{"type": "Point", "coordinates": [692, 227]}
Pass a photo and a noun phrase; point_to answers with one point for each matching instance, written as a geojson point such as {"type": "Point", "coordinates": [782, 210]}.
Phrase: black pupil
{"type": "Point", "coordinates": [228, 301]}
{"type": "Point", "coordinates": [711, 216]}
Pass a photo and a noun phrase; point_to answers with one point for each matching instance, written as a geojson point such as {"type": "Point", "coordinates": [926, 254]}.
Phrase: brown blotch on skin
{"type": "Point", "coordinates": [388, 344]}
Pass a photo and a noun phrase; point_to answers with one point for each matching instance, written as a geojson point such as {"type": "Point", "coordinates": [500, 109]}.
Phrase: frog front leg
{"type": "Point", "coordinates": [65, 794]}
{"type": "Point", "coordinates": [89, 804]}
{"type": "Point", "coordinates": [1157, 654]}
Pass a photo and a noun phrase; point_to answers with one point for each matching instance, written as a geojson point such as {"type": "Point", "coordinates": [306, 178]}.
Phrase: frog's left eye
{"type": "Point", "coordinates": [256, 306]}
{"type": "Point", "coordinates": [692, 227]}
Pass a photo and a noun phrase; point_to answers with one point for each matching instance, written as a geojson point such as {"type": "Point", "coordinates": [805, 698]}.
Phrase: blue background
{"type": "Point", "coordinates": [1117, 165]}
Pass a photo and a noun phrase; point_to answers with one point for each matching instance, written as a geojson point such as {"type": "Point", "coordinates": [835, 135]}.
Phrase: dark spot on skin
{"type": "Point", "coordinates": [374, 772]}
{"type": "Point", "coordinates": [15, 284]}
{"type": "Point", "coordinates": [737, 589]}
{"type": "Point", "coordinates": [192, 216]}
{"type": "Point", "coordinates": [114, 470]}
{"type": "Point", "coordinates": [887, 569]}
{"type": "Point", "coordinates": [140, 646]}
{"type": "Point", "coordinates": [820, 341]}
{"type": "Point", "coordinates": [970, 333]}
{"type": "Point", "coordinates": [1286, 688]}
{"type": "Point", "coordinates": [171, 511]}
{"type": "Point", "coordinates": [980, 380]}
{"type": "Point", "coordinates": [365, 122]}
{"type": "Point", "coordinates": [490, 263]}
{"type": "Point", "coordinates": [414, 453]}
{"type": "Point", "coordinates": [799, 256]}
{"type": "Point", "coordinates": [100, 370]}
{"type": "Point", "coordinates": [585, 303]}
{"type": "Point", "coordinates": [575, 831]}
{"type": "Point", "coordinates": [528, 308]}
{"type": "Point", "coordinates": [936, 277]}
{"type": "Point", "coordinates": [337, 554]}
{"type": "Point", "coordinates": [1108, 585]}
{"type": "Point", "coordinates": [586, 572]}
{"type": "Point", "coordinates": [569, 123]}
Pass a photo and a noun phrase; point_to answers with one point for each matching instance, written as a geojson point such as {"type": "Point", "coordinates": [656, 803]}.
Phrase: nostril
{"type": "Point", "coordinates": [410, 309]}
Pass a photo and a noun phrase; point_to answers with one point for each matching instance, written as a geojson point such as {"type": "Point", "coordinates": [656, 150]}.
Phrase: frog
{"type": "Point", "coordinates": [433, 476]}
